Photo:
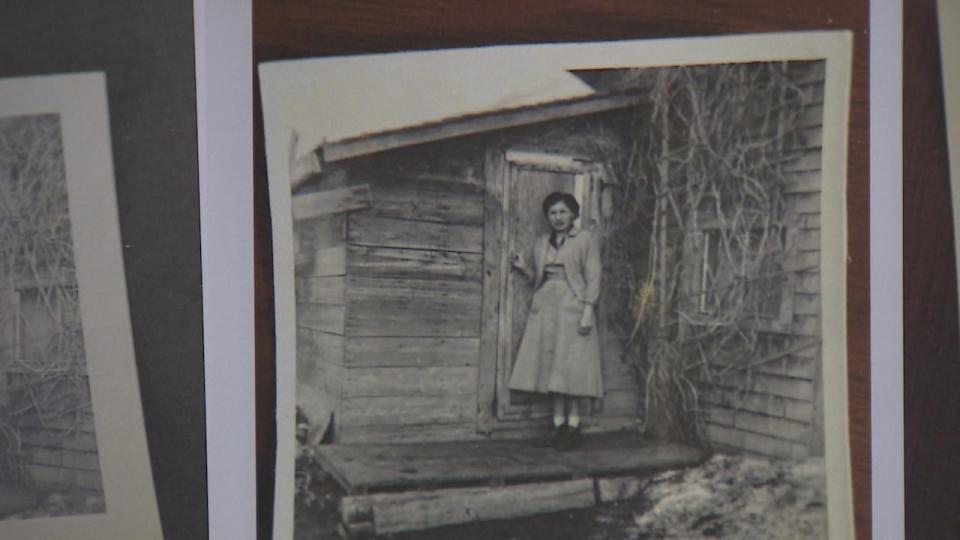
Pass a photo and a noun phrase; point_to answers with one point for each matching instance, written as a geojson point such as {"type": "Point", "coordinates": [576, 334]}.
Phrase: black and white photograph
{"type": "Point", "coordinates": [50, 465]}
{"type": "Point", "coordinates": [562, 291]}
{"type": "Point", "coordinates": [73, 456]}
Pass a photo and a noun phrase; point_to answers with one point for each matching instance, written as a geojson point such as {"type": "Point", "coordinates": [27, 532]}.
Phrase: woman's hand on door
{"type": "Point", "coordinates": [518, 262]}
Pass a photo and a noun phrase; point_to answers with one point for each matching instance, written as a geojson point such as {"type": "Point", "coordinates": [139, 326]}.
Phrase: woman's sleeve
{"type": "Point", "coordinates": [592, 270]}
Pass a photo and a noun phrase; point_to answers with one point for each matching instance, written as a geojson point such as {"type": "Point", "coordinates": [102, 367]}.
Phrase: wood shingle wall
{"type": "Point", "coordinates": [391, 330]}
{"type": "Point", "coordinates": [776, 408]}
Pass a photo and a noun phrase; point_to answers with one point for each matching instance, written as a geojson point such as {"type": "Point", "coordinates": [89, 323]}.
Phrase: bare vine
{"type": "Point", "coordinates": [704, 184]}
{"type": "Point", "coordinates": [43, 380]}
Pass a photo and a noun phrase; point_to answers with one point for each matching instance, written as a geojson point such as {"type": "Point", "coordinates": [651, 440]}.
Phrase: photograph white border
{"type": "Point", "coordinates": [276, 78]}
{"type": "Point", "coordinates": [131, 506]}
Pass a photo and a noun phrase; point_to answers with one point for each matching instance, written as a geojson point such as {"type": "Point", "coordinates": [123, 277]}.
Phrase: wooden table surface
{"type": "Point", "coordinates": [302, 28]}
{"type": "Point", "coordinates": [931, 347]}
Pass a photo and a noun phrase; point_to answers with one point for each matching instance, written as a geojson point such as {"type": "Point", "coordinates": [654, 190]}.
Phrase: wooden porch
{"type": "Point", "coordinates": [405, 487]}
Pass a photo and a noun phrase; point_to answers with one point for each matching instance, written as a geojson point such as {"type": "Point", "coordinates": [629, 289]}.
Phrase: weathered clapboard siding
{"type": "Point", "coordinates": [411, 351]}
{"type": "Point", "coordinates": [330, 202]}
{"type": "Point", "coordinates": [312, 237]}
{"type": "Point", "coordinates": [318, 247]}
{"type": "Point", "coordinates": [406, 410]}
{"type": "Point", "coordinates": [617, 375]}
{"type": "Point", "coordinates": [802, 182]}
{"type": "Point", "coordinates": [812, 137]}
{"type": "Point", "coordinates": [790, 366]}
{"type": "Point", "coordinates": [324, 317]}
{"type": "Point", "coordinates": [324, 347]}
{"type": "Point", "coordinates": [85, 442]}
{"type": "Point", "coordinates": [317, 353]}
{"type": "Point", "coordinates": [775, 385]}
{"type": "Point", "coordinates": [364, 230]}
{"type": "Point", "coordinates": [621, 402]}
{"type": "Point", "coordinates": [812, 117]}
{"type": "Point", "coordinates": [808, 283]}
{"type": "Point", "coordinates": [82, 422]}
{"type": "Point", "coordinates": [328, 262]}
{"type": "Point", "coordinates": [59, 455]}
{"type": "Point", "coordinates": [441, 202]}
{"type": "Point", "coordinates": [793, 409]}
{"type": "Point", "coordinates": [756, 442]}
{"type": "Point", "coordinates": [412, 298]}
{"type": "Point", "coordinates": [407, 382]}
{"type": "Point", "coordinates": [805, 203]}
{"type": "Point", "coordinates": [412, 307]}
{"type": "Point", "coordinates": [386, 262]}
{"type": "Point", "coordinates": [803, 261]}
{"type": "Point", "coordinates": [321, 290]}
{"type": "Point", "coordinates": [806, 303]}
{"type": "Point", "coordinates": [48, 457]}
{"type": "Point", "coordinates": [62, 466]}
{"type": "Point", "coordinates": [62, 476]}
{"type": "Point", "coordinates": [784, 428]}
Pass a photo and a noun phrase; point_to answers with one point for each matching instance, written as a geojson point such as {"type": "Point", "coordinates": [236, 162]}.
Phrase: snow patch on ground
{"type": "Point", "coordinates": [736, 497]}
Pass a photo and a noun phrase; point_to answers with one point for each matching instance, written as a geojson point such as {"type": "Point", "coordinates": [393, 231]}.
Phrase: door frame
{"type": "Point", "coordinates": [493, 408]}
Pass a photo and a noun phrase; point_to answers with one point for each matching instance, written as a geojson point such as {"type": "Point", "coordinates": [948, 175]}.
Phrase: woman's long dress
{"type": "Point", "coordinates": [553, 356]}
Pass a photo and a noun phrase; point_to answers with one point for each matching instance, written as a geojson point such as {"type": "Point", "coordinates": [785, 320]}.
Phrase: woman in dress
{"type": "Point", "coordinates": [559, 352]}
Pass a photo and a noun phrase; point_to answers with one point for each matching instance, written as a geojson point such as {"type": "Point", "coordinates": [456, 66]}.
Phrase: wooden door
{"type": "Point", "coordinates": [517, 183]}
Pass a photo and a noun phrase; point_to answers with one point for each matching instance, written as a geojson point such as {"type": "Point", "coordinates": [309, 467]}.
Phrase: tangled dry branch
{"type": "Point", "coordinates": [43, 379]}
{"type": "Point", "coordinates": [704, 184]}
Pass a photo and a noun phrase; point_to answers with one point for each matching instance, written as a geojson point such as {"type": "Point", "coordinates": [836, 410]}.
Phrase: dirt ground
{"type": "Point", "coordinates": [728, 496]}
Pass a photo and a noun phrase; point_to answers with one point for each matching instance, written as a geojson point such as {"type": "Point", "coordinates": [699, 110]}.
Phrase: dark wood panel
{"type": "Point", "coordinates": [301, 28]}
{"type": "Point", "coordinates": [931, 373]}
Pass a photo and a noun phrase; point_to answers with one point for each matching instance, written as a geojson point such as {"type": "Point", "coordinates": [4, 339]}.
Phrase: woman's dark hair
{"type": "Point", "coordinates": [565, 198]}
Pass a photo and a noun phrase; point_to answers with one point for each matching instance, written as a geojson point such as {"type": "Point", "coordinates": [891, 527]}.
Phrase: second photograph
{"type": "Point", "coordinates": [507, 291]}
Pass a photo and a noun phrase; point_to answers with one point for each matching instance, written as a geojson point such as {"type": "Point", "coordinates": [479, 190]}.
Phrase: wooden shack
{"type": "Point", "coordinates": [408, 315]}
{"type": "Point", "coordinates": [407, 312]}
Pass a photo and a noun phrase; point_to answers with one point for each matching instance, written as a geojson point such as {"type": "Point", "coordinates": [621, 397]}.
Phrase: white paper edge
{"type": "Point", "coordinates": [835, 46]}
{"type": "Point", "coordinates": [886, 268]}
{"type": "Point", "coordinates": [225, 149]}
{"type": "Point", "coordinates": [131, 505]}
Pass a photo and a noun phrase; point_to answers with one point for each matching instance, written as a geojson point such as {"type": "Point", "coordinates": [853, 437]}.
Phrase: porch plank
{"type": "Point", "coordinates": [370, 468]}
{"type": "Point", "coordinates": [396, 512]}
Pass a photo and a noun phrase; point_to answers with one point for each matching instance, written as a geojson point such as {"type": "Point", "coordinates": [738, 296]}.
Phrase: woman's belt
{"type": "Point", "coordinates": [554, 271]}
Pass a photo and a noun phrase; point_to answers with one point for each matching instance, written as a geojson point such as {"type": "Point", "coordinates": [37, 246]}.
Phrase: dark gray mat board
{"type": "Point", "coordinates": [146, 50]}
